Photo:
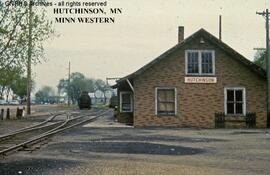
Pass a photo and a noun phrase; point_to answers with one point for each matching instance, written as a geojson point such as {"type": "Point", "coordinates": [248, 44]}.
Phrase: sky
{"type": "Point", "coordinates": [144, 31]}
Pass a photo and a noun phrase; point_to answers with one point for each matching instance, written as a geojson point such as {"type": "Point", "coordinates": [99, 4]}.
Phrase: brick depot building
{"type": "Point", "coordinates": [190, 83]}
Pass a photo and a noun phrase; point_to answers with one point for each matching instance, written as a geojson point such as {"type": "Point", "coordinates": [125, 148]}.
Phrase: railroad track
{"type": "Point", "coordinates": [27, 137]}
{"type": "Point", "coordinates": [31, 128]}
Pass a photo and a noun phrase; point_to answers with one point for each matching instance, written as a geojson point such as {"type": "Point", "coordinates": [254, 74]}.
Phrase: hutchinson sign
{"type": "Point", "coordinates": [207, 80]}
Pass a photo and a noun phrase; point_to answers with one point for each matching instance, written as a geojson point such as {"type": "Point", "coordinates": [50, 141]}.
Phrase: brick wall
{"type": "Point", "coordinates": [196, 103]}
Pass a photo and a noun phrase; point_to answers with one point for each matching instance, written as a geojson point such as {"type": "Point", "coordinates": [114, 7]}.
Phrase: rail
{"type": "Point", "coordinates": [64, 126]}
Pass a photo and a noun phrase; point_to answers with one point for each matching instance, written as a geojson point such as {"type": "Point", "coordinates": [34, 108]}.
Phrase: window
{"type": "Point", "coordinates": [126, 102]}
{"type": "Point", "coordinates": [193, 62]}
{"type": "Point", "coordinates": [166, 101]}
{"type": "Point", "coordinates": [207, 62]}
{"type": "Point", "coordinates": [200, 62]}
{"type": "Point", "coordinates": [235, 103]}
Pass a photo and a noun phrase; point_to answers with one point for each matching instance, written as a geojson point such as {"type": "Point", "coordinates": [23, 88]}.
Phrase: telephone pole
{"type": "Point", "coordinates": [265, 14]}
{"type": "Point", "coordinates": [68, 93]}
{"type": "Point", "coordinates": [220, 27]}
{"type": "Point", "coordinates": [29, 54]}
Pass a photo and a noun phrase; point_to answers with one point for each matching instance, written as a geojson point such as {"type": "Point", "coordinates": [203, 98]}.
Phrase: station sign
{"type": "Point", "coordinates": [201, 80]}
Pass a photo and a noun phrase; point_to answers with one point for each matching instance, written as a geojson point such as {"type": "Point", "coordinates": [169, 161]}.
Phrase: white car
{"type": "Point", "coordinates": [14, 102]}
{"type": "Point", "coordinates": [3, 102]}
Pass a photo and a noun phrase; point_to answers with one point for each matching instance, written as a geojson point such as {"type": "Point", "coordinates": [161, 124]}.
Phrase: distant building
{"type": "Point", "coordinates": [96, 100]}
{"type": "Point", "coordinates": [190, 83]}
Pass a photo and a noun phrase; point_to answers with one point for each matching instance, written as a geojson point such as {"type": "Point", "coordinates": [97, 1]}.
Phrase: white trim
{"type": "Point", "coordinates": [130, 85]}
{"type": "Point", "coordinates": [244, 98]}
{"type": "Point", "coordinates": [200, 62]}
{"type": "Point", "coordinates": [131, 101]}
{"type": "Point", "coordinates": [175, 98]}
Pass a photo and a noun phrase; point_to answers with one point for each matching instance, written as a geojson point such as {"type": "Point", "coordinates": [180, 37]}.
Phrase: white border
{"type": "Point", "coordinates": [244, 99]}
{"type": "Point", "coordinates": [131, 101]}
{"type": "Point", "coordinates": [200, 62]}
{"type": "Point", "coordinates": [175, 98]}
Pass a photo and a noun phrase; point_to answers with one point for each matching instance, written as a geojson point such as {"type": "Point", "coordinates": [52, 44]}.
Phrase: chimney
{"type": "Point", "coordinates": [180, 34]}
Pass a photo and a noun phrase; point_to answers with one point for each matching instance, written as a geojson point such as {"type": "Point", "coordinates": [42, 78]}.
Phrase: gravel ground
{"type": "Point", "coordinates": [108, 148]}
{"type": "Point", "coordinates": [36, 110]}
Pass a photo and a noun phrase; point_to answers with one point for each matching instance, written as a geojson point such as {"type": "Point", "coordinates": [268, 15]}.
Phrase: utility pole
{"type": "Point", "coordinates": [29, 54]}
{"type": "Point", "coordinates": [266, 15]}
{"type": "Point", "coordinates": [220, 27]}
{"type": "Point", "coordinates": [68, 93]}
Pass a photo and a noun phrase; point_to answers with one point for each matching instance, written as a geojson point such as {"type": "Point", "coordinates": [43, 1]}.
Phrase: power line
{"type": "Point", "coordinates": [259, 48]}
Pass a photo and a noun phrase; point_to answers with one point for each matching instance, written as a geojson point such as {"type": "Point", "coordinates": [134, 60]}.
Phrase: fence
{"type": "Point", "coordinates": [221, 119]}
{"type": "Point", "coordinates": [6, 114]}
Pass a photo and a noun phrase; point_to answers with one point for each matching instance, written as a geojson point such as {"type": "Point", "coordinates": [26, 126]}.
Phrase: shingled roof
{"type": "Point", "coordinates": [203, 33]}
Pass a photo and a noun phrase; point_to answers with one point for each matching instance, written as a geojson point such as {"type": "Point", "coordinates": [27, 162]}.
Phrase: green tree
{"type": "Point", "coordinates": [13, 80]}
{"type": "Point", "coordinates": [62, 86]}
{"type": "Point", "coordinates": [7, 78]}
{"type": "Point", "coordinates": [101, 85]}
{"type": "Point", "coordinates": [14, 26]}
{"type": "Point", "coordinates": [44, 94]}
{"type": "Point", "coordinates": [79, 83]}
{"type": "Point", "coordinates": [260, 58]}
{"type": "Point", "coordinates": [19, 87]}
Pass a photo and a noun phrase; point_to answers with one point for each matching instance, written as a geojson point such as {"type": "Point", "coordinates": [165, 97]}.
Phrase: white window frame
{"type": "Point", "coordinates": [244, 99]}
{"type": "Point", "coordinates": [156, 100]}
{"type": "Point", "coordinates": [131, 101]}
{"type": "Point", "coordinates": [200, 61]}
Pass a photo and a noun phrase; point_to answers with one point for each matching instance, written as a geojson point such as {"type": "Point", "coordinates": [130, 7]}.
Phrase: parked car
{"type": "Point", "coordinates": [3, 102]}
{"type": "Point", "coordinates": [14, 102]}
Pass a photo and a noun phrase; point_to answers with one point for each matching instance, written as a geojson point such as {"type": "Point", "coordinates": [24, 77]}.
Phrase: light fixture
{"type": "Point", "coordinates": [202, 41]}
